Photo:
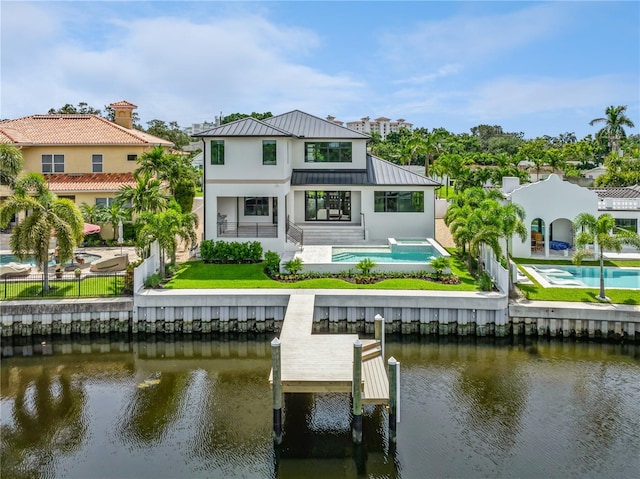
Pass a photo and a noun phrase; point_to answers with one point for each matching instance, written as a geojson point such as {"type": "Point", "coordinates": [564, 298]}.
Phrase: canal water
{"type": "Point", "coordinates": [115, 408]}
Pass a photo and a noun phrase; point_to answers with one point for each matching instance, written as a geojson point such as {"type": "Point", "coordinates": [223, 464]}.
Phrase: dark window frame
{"type": "Point", "coordinates": [52, 164]}
{"type": "Point", "coordinates": [328, 152]}
{"type": "Point", "coordinates": [217, 152]}
{"type": "Point", "coordinates": [398, 202]}
{"type": "Point", "coordinates": [132, 157]}
{"type": "Point", "coordinates": [256, 206]}
{"type": "Point", "coordinates": [269, 152]}
{"type": "Point", "coordinates": [95, 163]}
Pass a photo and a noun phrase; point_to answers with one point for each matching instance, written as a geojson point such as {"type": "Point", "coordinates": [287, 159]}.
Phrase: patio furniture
{"type": "Point", "coordinates": [12, 270]}
{"type": "Point", "coordinates": [117, 263]}
{"type": "Point", "coordinates": [559, 245]}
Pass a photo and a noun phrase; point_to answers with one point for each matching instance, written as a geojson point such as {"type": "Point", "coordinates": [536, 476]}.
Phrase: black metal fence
{"type": "Point", "coordinates": [66, 285]}
{"type": "Point", "coordinates": [247, 230]}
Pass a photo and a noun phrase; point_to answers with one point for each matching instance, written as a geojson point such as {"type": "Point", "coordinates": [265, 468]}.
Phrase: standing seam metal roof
{"type": "Point", "coordinates": [245, 127]}
{"type": "Point", "coordinates": [304, 125]}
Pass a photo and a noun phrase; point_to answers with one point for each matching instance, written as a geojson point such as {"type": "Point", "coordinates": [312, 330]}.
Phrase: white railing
{"type": "Point", "coordinates": [495, 270]}
{"type": "Point", "coordinates": [619, 204]}
{"type": "Point", "coordinates": [149, 266]}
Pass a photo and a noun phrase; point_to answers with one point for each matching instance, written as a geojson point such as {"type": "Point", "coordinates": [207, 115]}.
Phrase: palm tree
{"type": "Point", "coordinates": [604, 235]}
{"type": "Point", "coordinates": [114, 214]}
{"type": "Point", "coordinates": [145, 196]}
{"type": "Point", "coordinates": [512, 217]}
{"type": "Point", "coordinates": [11, 163]}
{"type": "Point", "coordinates": [613, 130]}
{"type": "Point", "coordinates": [48, 215]}
{"type": "Point", "coordinates": [167, 228]}
{"type": "Point", "coordinates": [90, 213]}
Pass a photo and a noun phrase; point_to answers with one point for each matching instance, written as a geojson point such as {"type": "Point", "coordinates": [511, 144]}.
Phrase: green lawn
{"type": "Point", "coordinates": [537, 292]}
{"type": "Point", "coordinates": [198, 275]}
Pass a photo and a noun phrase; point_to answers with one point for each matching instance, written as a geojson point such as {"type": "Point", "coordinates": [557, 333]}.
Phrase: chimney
{"type": "Point", "coordinates": [123, 112]}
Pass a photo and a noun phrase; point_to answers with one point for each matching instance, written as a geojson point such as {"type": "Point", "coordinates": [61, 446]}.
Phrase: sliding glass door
{"type": "Point", "coordinates": [327, 206]}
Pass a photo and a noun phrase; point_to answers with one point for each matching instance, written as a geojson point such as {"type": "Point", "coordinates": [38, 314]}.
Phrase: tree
{"type": "Point", "coordinates": [239, 116]}
{"type": "Point", "coordinates": [145, 196]}
{"type": "Point", "coordinates": [614, 123]}
{"type": "Point", "coordinates": [171, 132]}
{"type": "Point", "coordinates": [114, 214]}
{"type": "Point", "coordinates": [90, 213]}
{"type": "Point", "coordinates": [48, 215]}
{"type": "Point", "coordinates": [11, 163]}
{"type": "Point", "coordinates": [83, 108]}
{"type": "Point", "coordinates": [511, 221]}
{"type": "Point", "coordinates": [604, 235]}
{"type": "Point", "coordinates": [167, 228]}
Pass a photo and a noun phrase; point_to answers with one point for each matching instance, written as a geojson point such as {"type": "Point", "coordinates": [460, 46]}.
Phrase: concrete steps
{"type": "Point", "coordinates": [332, 235]}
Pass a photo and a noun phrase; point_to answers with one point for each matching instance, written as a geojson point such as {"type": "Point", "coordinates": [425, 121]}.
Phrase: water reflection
{"type": "Point", "coordinates": [114, 408]}
{"type": "Point", "coordinates": [47, 419]}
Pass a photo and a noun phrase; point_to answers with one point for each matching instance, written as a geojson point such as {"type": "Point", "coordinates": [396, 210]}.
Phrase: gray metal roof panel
{"type": "Point", "coordinates": [329, 177]}
{"type": "Point", "coordinates": [303, 125]}
{"type": "Point", "coordinates": [382, 172]}
{"type": "Point", "coordinates": [244, 127]}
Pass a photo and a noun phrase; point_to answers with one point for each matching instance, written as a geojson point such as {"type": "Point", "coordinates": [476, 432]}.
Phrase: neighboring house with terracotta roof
{"type": "Point", "coordinates": [270, 180]}
{"type": "Point", "coordinates": [85, 158]}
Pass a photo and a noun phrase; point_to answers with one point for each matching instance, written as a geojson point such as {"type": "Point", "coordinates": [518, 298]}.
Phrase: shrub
{"type": "Point", "coordinates": [255, 252]}
{"type": "Point", "coordinates": [485, 283]}
{"type": "Point", "coordinates": [365, 265]}
{"type": "Point", "coordinates": [294, 266]}
{"type": "Point", "coordinates": [439, 265]}
{"type": "Point", "coordinates": [206, 251]}
{"type": "Point", "coordinates": [153, 281]}
{"type": "Point", "coordinates": [272, 263]}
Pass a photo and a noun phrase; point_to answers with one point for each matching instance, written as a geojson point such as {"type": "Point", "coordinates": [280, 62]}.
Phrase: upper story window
{"type": "Point", "coordinates": [132, 157]}
{"type": "Point", "coordinates": [53, 163]}
{"type": "Point", "coordinates": [328, 152]}
{"type": "Point", "coordinates": [268, 152]}
{"type": "Point", "coordinates": [217, 152]}
{"type": "Point", "coordinates": [256, 206]}
{"type": "Point", "coordinates": [399, 202]}
{"type": "Point", "coordinates": [96, 163]}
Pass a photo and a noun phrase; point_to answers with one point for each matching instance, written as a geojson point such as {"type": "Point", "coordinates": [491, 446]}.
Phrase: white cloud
{"type": "Point", "coordinates": [443, 71]}
{"type": "Point", "coordinates": [176, 69]}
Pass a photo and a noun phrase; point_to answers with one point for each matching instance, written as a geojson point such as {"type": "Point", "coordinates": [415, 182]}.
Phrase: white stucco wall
{"type": "Point", "coordinates": [550, 200]}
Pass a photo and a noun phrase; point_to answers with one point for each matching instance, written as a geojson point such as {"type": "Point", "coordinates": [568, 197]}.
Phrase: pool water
{"type": "Point", "coordinates": [589, 276]}
{"type": "Point", "coordinates": [9, 258]}
{"type": "Point", "coordinates": [423, 254]}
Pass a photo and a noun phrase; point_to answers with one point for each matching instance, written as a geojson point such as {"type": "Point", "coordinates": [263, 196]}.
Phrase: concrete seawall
{"type": "Point", "coordinates": [406, 312]}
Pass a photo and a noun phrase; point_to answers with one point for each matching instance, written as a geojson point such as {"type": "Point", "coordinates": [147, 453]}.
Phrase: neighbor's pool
{"type": "Point", "coordinates": [9, 258]}
{"type": "Point", "coordinates": [586, 276]}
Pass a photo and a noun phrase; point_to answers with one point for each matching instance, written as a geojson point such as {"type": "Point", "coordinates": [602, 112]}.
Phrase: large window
{"type": "Point", "coordinates": [217, 152]}
{"type": "Point", "coordinates": [53, 163]}
{"type": "Point", "coordinates": [96, 163]}
{"type": "Point", "coordinates": [328, 152]}
{"type": "Point", "coordinates": [256, 206]}
{"type": "Point", "coordinates": [399, 201]}
{"type": "Point", "coordinates": [268, 152]}
{"type": "Point", "coordinates": [630, 224]}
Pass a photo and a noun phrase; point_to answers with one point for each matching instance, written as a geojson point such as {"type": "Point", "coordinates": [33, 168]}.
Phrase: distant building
{"type": "Point", "coordinates": [381, 125]}
{"type": "Point", "coordinates": [196, 128]}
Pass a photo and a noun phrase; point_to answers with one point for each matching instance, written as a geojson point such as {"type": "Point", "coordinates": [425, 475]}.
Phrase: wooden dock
{"type": "Point", "coordinates": [324, 362]}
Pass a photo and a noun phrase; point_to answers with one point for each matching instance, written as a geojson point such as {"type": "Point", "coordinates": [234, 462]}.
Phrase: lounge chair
{"type": "Point", "coordinates": [117, 263]}
{"type": "Point", "coordinates": [13, 270]}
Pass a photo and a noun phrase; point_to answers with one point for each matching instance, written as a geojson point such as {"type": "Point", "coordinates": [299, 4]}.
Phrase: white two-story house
{"type": "Point", "coordinates": [286, 180]}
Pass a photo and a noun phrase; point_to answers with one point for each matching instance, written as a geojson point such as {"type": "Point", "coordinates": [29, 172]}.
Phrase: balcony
{"type": "Point", "coordinates": [619, 204]}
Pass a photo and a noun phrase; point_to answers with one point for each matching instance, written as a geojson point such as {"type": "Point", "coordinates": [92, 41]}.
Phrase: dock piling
{"type": "Point", "coordinates": [378, 329]}
{"type": "Point", "coordinates": [357, 392]}
{"type": "Point", "coordinates": [277, 391]}
{"type": "Point", "coordinates": [393, 398]}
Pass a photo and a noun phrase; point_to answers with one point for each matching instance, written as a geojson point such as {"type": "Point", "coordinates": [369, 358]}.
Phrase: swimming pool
{"type": "Point", "coordinates": [383, 255]}
{"type": "Point", "coordinates": [398, 250]}
{"type": "Point", "coordinates": [9, 258]}
{"type": "Point", "coordinates": [585, 276]}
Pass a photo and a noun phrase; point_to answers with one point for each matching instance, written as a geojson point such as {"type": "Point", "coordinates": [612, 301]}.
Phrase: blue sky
{"type": "Point", "coordinates": [536, 67]}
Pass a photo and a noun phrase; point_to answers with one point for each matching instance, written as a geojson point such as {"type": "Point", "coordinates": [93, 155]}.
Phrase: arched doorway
{"type": "Point", "coordinates": [537, 229]}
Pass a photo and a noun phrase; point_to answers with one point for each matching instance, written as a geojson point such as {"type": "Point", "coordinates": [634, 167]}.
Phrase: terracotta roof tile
{"type": "Point", "coordinates": [89, 181]}
{"type": "Point", "coordinates": [123, 104]}
{"type": "Point", "coordinates": [73, 130]}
